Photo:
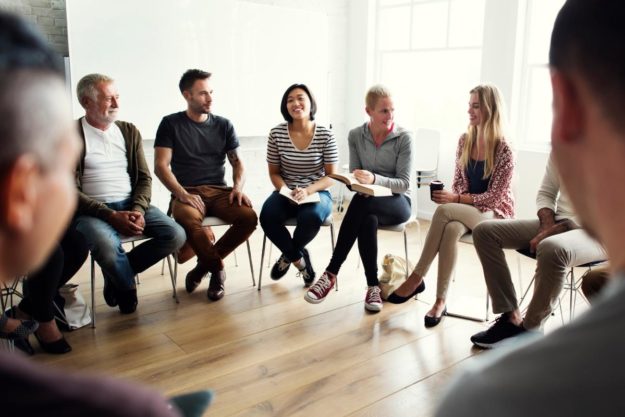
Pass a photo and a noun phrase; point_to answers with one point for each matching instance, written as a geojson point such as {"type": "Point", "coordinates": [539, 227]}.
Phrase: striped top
{"type": "Point", "coordinates": [300, 168]}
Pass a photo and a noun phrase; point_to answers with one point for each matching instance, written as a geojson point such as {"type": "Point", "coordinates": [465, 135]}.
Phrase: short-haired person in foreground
{"type": "Point", "coordinates": [577, 370]}
{"type": "Point", "coordinates": [558, 243]}
{"type": "Point", "coordinates": [115, 188]}
{"type": "Point", "coordinates": [190, 152]}
{"type": "Point", "coordinates": [37, 197]}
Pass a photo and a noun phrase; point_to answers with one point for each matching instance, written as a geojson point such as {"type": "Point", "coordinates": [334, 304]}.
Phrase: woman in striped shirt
{"type": "Point", "coordinates": [300, 155]}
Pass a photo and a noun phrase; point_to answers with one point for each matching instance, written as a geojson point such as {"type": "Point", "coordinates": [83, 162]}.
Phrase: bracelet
{"type": "Point", "coordinates": [458, 198]}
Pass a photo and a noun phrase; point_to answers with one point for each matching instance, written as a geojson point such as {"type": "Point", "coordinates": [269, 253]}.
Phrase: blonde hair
{"type": "Point", "coordinates": [375, 93]}
{"type": "Point", "coordinates": [491, 108]}
{"type": "Point", "coordinates": [87, 86]}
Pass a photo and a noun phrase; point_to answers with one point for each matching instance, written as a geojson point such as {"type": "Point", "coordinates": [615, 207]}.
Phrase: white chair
{"type": "Point", "coordinates": [401, 228]}
{"type": "Point", "coordinates": [427, 146]}
{"type": "Point", "coordinates": [340, 199]}
{"type": "Point", "coordinates": [173, 272]}
{"type": "Point", "coordinates": [7, 292]}
{"type": "Point", "coordinates": [571, 284]}
{"type": "Point", "coordinates": [6, 300]}
{"type": "Point", "coordinates": [328, 222]}
{"type": "Point", "coordinates": [216, 221]}
{"type": "Point", "coordinates": [468, 238]}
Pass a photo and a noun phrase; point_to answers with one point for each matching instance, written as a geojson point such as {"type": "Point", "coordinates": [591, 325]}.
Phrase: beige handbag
{"type": "Point", "coordinates": [393, 275]}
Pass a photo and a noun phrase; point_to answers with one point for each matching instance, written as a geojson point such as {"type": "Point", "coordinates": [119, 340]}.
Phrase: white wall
{"type": "Point", "coordinates": [254, 48]}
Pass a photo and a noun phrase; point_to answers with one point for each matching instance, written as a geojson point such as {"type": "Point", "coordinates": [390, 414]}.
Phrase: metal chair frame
{"type": "Point", "coordinates": [328, 222]}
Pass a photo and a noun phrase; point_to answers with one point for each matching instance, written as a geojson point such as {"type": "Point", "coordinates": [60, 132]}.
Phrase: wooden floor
{"type": "Point", "coordinates": [270, 353]}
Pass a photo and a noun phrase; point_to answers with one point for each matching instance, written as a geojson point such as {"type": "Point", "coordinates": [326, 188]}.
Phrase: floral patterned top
{"type": "Point", "coordinates": [498, 196]}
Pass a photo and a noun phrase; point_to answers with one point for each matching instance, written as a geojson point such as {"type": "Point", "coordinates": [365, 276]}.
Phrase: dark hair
{"type": "Point", "coordinates": [23, 47]}
{"type": "Point", "coordinates": [285, 112]}
{"type": "Point", "coordinates": [190, 77]}
{"type": "Point", "coordinates": [587, 39]}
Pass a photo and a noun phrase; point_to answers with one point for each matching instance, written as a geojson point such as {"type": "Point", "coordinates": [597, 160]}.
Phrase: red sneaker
{"type": "Point", "coordinates": [373, 301]}
{"type": "Point", "coordinates": [320, 290]}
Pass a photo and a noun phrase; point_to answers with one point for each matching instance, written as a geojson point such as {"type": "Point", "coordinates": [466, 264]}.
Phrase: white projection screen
{"type": "Point", "coordinates": [255, 51]}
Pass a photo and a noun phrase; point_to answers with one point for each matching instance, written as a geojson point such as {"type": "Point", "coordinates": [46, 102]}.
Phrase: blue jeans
{"type": "Point", "coordinates": [118, 266]}
{"type": "Point", "coordinates": [277, 209]}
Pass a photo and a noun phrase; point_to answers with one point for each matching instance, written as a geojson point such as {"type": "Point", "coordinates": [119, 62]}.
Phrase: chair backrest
{"type": "Point", "coordinates": [427, 145]}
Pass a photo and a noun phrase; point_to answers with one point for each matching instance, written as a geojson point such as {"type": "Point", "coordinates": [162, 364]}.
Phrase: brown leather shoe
{"type": "Point", "coordinates": [194, 277]}
{"type": "Point", "coordinates": [216, 286]}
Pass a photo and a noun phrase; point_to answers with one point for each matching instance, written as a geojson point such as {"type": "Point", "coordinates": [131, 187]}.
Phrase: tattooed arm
{"type": "Point", "coordinates": [238, 179]}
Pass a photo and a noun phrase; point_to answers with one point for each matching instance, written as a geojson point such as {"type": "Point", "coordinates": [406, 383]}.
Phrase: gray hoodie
{"type": "Point", "coordinates": [391, 162]}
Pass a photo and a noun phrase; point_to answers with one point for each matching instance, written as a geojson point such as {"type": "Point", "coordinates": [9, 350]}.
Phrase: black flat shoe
{"type": "Point", "coordinates": [398, 299]}
{"type": "Point", "coordinates": [25, 346]}
{"type": "Point", "coordinates": [430, 321]}
{"type": "Point", "coordinates": [58, 347]}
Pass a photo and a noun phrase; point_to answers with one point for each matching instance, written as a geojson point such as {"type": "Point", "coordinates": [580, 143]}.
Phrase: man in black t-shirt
{"type": "Point", "coordinates": [190, 154]}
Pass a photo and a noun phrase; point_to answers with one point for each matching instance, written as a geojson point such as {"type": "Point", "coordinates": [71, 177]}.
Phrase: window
{"type": "Point", "coordinates": [429, 53]}
{"type": "Point", "coordinates": [534, 110]}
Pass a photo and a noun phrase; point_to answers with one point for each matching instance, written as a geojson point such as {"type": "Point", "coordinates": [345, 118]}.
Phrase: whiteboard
{"type": "Point", "coordinates": [255, 51]}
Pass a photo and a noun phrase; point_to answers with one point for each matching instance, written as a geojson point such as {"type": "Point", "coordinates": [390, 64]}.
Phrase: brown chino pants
{"type": "Point", "coordinates": [216, 200]}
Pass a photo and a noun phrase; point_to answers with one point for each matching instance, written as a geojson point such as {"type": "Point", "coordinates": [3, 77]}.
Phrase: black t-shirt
{"type": "Point", "coordinates": [475, 172]}
{"type": "Point", "coordinates": [198, 149]}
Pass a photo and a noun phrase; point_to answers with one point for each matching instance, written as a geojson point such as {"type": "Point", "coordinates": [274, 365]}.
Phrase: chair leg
{"type": "Point", "coordinates": [249, 254]}
{"type": "Point", "coordinates": [336, 286]}
{"type": "Point", "coordinates": [92, 292]}
{"type": "Point", "coordinates": [526, 291]}
{"type": "Point", "coordinates": [136, 275]}
{"type": "Point", "coordinates": [406, 252]}
{"type": "Point", "coordinates": [571, 291]}
{"type": "Point", "coordinates": [269, 255]}
{"type": "Point", "coordinates": [262, 259]}
{"type": "Point", "coordinates": [173, 275]}
{"type": "Point", "coordinates": [520, 272]}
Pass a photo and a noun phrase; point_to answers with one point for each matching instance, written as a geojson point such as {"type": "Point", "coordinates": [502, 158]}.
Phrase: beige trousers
{"type": "Point", "coordinates": [450, 222]}
{"type": "Point", "coordinates": [555, 255]}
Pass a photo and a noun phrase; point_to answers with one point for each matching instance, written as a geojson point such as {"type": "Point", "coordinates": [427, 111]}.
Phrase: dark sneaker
{"type": "Point", "coordinates": [308, 273]}
{"type": "Point", "coordinates": [501, 330]}
{"type": "Point", "coordinates": [280, 268]}
{"type": "Point", "coordinates": [373, 301]}
{"type": "Point", "coordinates": [318, 292]}
{"type": "Point", "coordinates": [109, 293]}
{"type": "Point", "coordinates": [127, 300]}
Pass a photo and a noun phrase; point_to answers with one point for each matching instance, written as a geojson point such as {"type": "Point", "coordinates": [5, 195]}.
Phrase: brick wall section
{"type": "Point", "coordinates": [48, 15]}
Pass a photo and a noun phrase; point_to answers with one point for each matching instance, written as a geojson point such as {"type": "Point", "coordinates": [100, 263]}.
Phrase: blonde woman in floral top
{"type": "Point", "coordinates": [480, 190]}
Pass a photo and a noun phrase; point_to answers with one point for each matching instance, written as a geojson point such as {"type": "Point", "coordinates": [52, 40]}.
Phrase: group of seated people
{"type": "Point", "coordinates": [114, 188]}
{"type": "Point", "coordinates": [543, 377]}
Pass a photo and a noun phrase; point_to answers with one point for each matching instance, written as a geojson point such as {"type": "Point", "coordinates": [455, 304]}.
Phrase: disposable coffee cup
{"type": "Point", "coordinates": [435, 185]}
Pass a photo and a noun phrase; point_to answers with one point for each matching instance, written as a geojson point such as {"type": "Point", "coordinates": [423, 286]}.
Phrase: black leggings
{"type": "Point", "coordinates": [361, 222]}
{"type": "Point", "coordinates": [41, 286]}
